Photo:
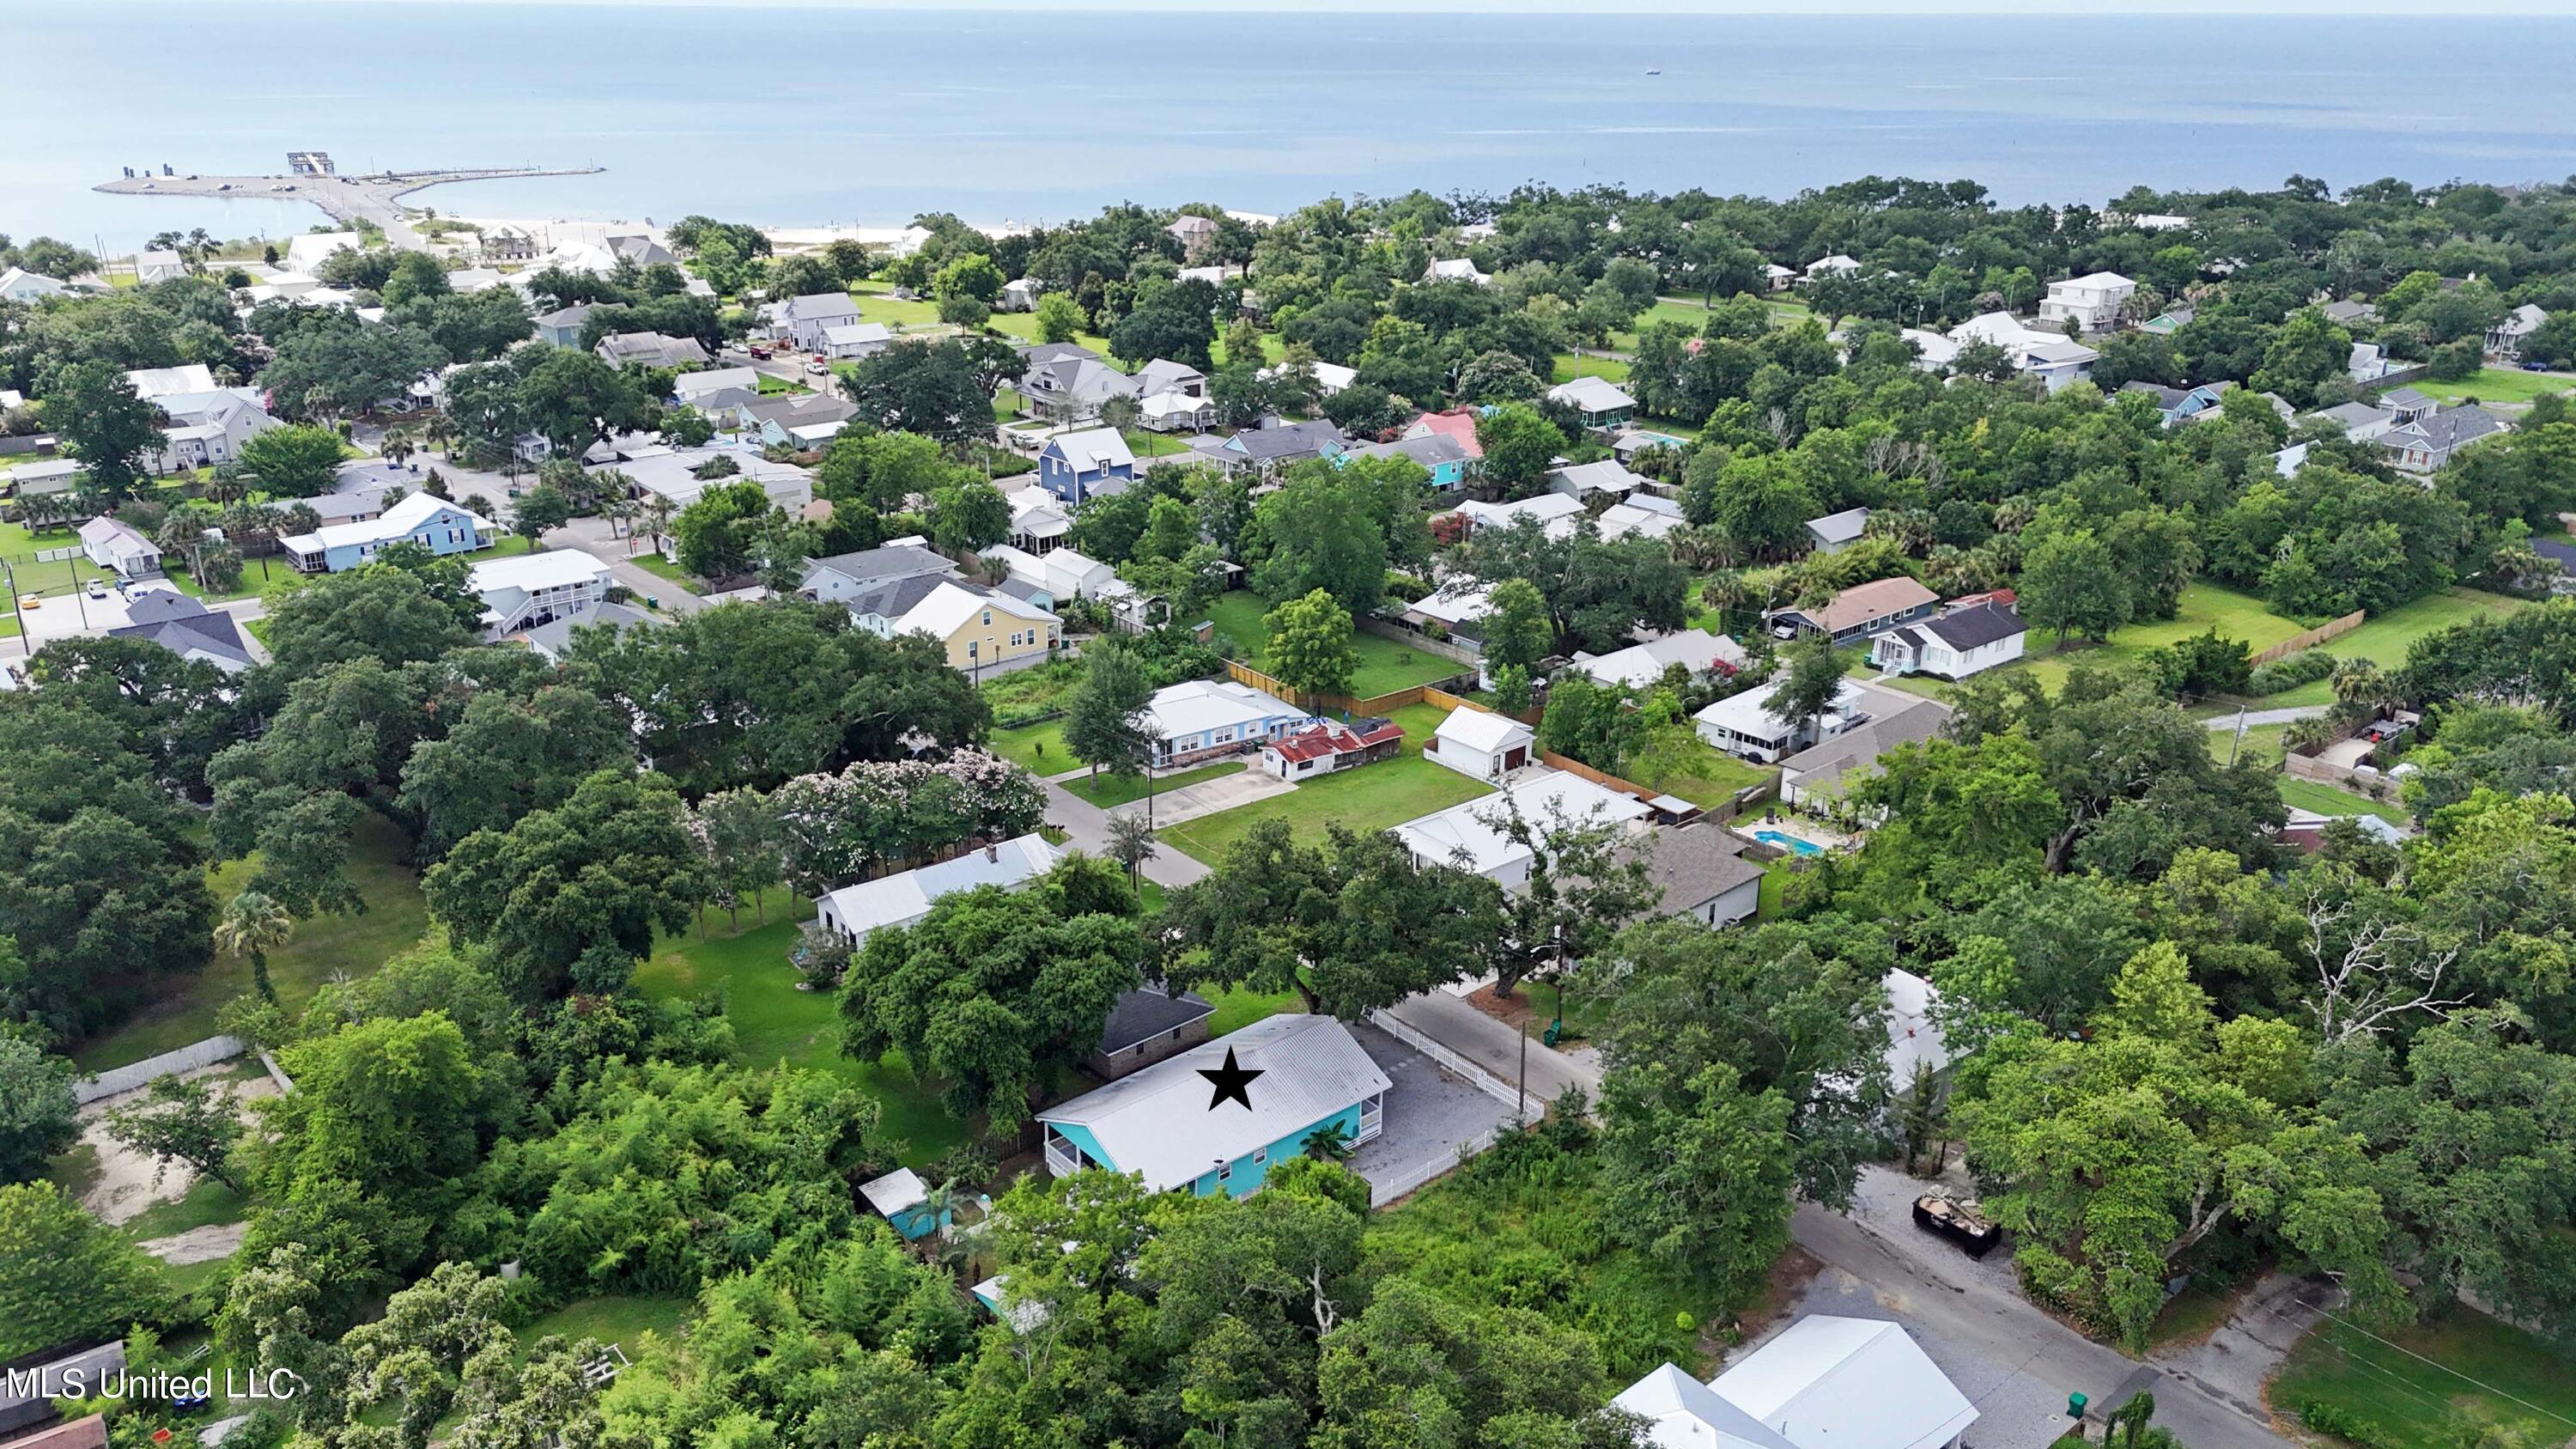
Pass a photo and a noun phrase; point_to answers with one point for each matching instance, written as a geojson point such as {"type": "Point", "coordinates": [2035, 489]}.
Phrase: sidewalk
{"type": "Point", "coordinates": [1495, 1047]}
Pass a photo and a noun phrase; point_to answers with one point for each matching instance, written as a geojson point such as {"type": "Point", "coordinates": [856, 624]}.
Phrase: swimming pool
{"type": "Point", "coordinates": [1788, 842]}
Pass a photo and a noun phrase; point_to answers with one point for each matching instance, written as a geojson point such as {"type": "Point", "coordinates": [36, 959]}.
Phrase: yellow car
{"type": "Point", "coordinates": [31, 601]}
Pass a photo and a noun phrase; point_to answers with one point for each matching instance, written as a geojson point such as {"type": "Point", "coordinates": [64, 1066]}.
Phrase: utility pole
{"type": "Point", "coordinates": [1520, 1106]}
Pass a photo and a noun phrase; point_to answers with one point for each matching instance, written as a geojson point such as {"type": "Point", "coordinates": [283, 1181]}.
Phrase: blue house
{"type": "Point", "coordinates": [432, 522]}
{"type": "Point", "coordinates": [1077, 465]}
{"type": "Point", "coordinates": [1442, 456]}
{"type": "Point", "coordinates": [1159, 1125]}
{"type": "Point", "coordinates": [2180, 404]}
{"type": "Point", "coordinates": [1197, 718]}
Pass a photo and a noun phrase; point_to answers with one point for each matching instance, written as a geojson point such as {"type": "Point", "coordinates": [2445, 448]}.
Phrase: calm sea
{"type": "Point", "coordinates": [807, 117]}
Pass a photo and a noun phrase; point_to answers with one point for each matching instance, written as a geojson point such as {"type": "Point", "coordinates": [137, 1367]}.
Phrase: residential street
{"type": "Point", "coordinates": [1087, 827]}
{"type": "Point", "coordinates": [593, 536]}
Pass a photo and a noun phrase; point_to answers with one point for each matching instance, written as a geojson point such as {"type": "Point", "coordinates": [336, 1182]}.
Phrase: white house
{"type": "Point", "coordinates": [694, 388]}
{"type": "Point", "coordinates": [150, 267]}
{"type": "Point", "coordinates": [1837, 531]}
{"type": "Point", "coordinates": [151, 382]}
{"type": "Point", "coordinates": [205, 428]}
{"type": "Point", "coordinates": [855, 911]}
{"type": "Point", "coordinates": [1330, 377]}
{"type": "Point", "coordinates": [1826, 1382]}
{"type": "Point", "coordinates": [529, 589]}
{"type": "Point", "coordinates": [1597, 401]}
{"type": "Point", "coordinates": [803, 320]}
{"type": "Point", "coordinates": [1912, 1035]}
{"type": "Point", "coordinates": [1480, 745]}
{"type": "Point", "coordinates": [1954, 644]}
{"type": "Point", "coordinates": [1836, 265]}
{"type": "Point", "coordinates": [1743, 724]}
{"type": "Point", "coordinates": [852, 340]}
{"type": "Point", "coordinates": [1702, 872]}
{"type": "Point", "coordinates": [1640, 665]}
{"type": "Point", "coordinates": [305, 253]}
{"type": "Point", "coordinates": [1546, 508]}
{"type": "Point", "coordinates": [119, 549]}
{"type": "Point", "coordinates": [2052, 357]}
{"type": "Point", "coordinates": [17, 284]}
{"type": "Point", "coordinates": [1475, 835]}
{"type": "Point", "coordinates": [1642, 513]}
{"type": "Point", "coordinates": [2091, 302]}
{"type": "Point", "coordinates": [2505, 338]}
{"type": "Point", "coordinates": [1455, 269]}
{"type": "Point", "coordinates": [1585, 481]}
{"type": "Point", "coordinates": [1038, 522]}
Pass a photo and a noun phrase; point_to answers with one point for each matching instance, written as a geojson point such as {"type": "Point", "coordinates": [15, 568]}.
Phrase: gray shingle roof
{"type": "Point", "coordinates": [1974, 627]}
{"type": "Point", "coordinates": [1141, 1015]}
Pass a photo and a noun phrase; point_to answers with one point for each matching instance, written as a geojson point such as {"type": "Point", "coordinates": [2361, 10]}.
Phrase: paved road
{"type": "Point", "coordinates": [1946, 1297]}
{"type": "Point", "coordinates": [1086, 827]}
{"type": "Point", "coordinates": [374, 199]}
{"type": "Point", "coordinates": [594, 536]}
{"type": "Point", "coordinates": [2255, 717]}
{"type": "Point", "coordinates": [1496, 1047]}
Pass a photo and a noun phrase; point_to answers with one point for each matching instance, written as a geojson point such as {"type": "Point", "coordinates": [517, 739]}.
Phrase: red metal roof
{"type": "Point", "coordinates": [1317, 742]}
{"type": "Point", "coordinates": [1458, 424]}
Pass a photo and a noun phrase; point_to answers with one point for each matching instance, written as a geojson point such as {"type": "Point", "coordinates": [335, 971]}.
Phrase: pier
{"type": "Point", "coordinates": [374, 199]}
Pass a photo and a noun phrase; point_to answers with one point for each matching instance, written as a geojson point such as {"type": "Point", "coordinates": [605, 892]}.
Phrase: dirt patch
{"type": "Point", "coordinates": [198, 1245]}
{"type": "Point", "coordinates": [124, 1186]}
{"type": "Point", "coordinates": [1512, 1010]}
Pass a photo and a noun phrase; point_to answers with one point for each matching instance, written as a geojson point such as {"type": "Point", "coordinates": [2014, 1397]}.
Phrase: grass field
{"type": "Point", "coordinates": [1038, 748]}
{"type": "Point", "coordinates": [1109, 790]}
{"type": "Point", "coordinates": [621, 1321]}
{"type": "Point", "coordinates": [2204, 606]}
{"type": "Point", "coordinates": [2495, 384]}
{"type": "Point", "coordinates": [1694, 770]}
{"type": "Point", "coordinates": [2476, 1366]}
{"type": "Point", "coordinates": [1569, 367]}
{"type": "Point", "coordinates": [775, 1022]}
{"type": "Point", "coordinates": [1385, 664]}
{"type": "Point", "coordinates": [394, 920]}
{"type": "Point", "coordinates": [1372, 797]}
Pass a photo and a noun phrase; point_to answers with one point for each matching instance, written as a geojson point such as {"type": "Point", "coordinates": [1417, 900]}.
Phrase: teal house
{"type": "Point", "coordinates": [1442, 456]}
{"type": "Point", "coordinates": [1167, 1125]}
{"type": "Point", "coordinates": [902, 1200]}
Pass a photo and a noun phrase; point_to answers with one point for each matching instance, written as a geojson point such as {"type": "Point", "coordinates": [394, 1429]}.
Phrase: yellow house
{"type": "Point", "coordinates": [982, 627]}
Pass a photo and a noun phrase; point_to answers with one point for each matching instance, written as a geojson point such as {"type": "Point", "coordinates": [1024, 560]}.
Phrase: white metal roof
{"type": "Point", "coordinates": [1911, 1035]}
{"type": "Point", "coordinates": [1745, 713]}
{"type": "Point", "coordinates": [1643, 664]}
{"type": "Point", "coordinates": [1591, 394]}
{"type": "Point", "coordinates": [1475, 829]}
{"type": "Point", "coordinates": [716, 379]}
{"type": "Point", "coordinates": [1198, 705]}
{"type": "Point", "coordinates": [1829, 1382]}
{"type": "Point", "coordinates": [553, 568]}
{"type": "Point", "coordinates": [413, 511]}
{"type": "Point", "coordinates": [1683, 1413]}
{"type": "Point", "coordinates": [1482, 730]}
{"type": "Point", "coordinates": [1546, 508]}
{"type": "Point", "coordinates": [152, 382]}
{"type": "Point", "coordinates": [907, 896]}
{"type": "Point", "coordinates": [1157, 1122]}
{"type": "Point", "coordinates": [947, 608]}
{"type": "Point", "coordinates": [1455, 604]}
{"type": "Point", "coordinates": [1095, 448]}
{"type": "Point", "coordinates": [894, 1192]}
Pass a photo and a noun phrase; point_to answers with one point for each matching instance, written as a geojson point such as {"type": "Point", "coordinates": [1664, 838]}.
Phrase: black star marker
{"type": "Point", "coordinates": [1230, 1081]}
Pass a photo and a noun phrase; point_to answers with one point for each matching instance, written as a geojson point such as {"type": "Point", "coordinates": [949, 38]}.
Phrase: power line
{"type": "Point", "coordinates": [2330, 1316]}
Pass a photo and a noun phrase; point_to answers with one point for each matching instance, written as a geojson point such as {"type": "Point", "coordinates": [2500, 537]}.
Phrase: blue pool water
{"type": "Point", "coordinates": [1788, 842]}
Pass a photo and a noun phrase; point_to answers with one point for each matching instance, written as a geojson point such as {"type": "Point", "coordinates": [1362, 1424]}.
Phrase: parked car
{"type": "Point", "coordinates": [98, 588]}
{"type": "Point", "coordinates": [31, 601]}
{"type": "Point", "coordinates": [1959, 1221]}
{"type": "Point", "coordinates": [816, 369]}
{"type": "Point", "coordinates": [759, 351]}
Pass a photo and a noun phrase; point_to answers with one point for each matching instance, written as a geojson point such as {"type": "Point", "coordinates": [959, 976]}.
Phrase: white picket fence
{"type": "Point", "coordinates": [1383, 1192]}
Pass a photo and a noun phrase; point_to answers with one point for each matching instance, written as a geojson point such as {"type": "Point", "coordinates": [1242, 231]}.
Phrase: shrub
{"type": "Point", "coordinates": [2342, 1423]}
{"type": "Point", "coordinates": [2289, 672]}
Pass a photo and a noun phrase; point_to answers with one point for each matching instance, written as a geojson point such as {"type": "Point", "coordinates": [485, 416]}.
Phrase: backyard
{"type": "Point", "coordinates": [1369, 797]}
{"type": "Point", "coordinates": [2384, 639]}
{"type": "Point", "coordinates": [2204, 607]}
{"type": "Point", "coordinates": [1685, 765]}
{"type": "Point", "coordinates": [2496, 384]}
{"type": "Point", "coordinates": [2413, 1384]}
{"type": "Point", "coordinates": [1386, 665]}
{"type": "Point", "coordinates": [321, 947]}
{"type": "Point", "coordinates": [1038, 748]}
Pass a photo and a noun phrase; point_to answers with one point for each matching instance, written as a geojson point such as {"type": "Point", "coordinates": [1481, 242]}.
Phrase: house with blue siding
{"type": "Point", "coordinates": [1158, 1124]}
{"type": "Point", "coordinates": [1442, 456]}
{"type": "Point", "coordinates": [1199, 718]}
{"type": "Point", "coordinates": [1077, 465]}
{"type": "Point", "coordinates": [425, 519]}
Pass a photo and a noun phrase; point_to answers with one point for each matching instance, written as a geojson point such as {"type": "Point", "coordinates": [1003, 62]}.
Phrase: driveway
{"type": "Point", "coordinates": [596, 537]}
{"type": "Point", "coordinates": [2015, 1362]}
{"type": "Point", "coordinates": [1498, 1048]}
{"type": "Point", "coordinates": [1430, 1115]}
{"type": "Point", "coordinates": [1086, 828]}
{"type": "Point", "coordinates": [2256, 718]}
{"type": "Point", "coordinates": [1208, 797]}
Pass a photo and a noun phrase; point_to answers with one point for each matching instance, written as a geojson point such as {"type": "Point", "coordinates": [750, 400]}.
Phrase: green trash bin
{"type": "Point", "coordinates": [2075, 1403]}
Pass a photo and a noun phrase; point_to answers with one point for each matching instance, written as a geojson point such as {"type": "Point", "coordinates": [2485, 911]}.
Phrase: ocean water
{"type": "Point", "coordinates": [811, 117]}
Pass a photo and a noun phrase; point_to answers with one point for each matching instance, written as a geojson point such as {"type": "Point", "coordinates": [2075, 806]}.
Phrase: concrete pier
{"type": "Point", "coordinates": [373, 199]}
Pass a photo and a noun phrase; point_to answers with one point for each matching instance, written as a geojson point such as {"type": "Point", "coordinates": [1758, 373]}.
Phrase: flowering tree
{"type": "Point", "coordinates": [834, 828]}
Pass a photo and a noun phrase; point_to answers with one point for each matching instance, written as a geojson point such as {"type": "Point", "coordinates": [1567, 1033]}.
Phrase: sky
{"type": "Point", "coordinates": [2071, 8]}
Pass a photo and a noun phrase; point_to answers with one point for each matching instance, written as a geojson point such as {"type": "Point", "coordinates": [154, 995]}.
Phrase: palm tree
{"type": "Point", "coordinates": [398, 445]}
{"type": "Point", "coordinates": [184, 533]}
{"type": "Point", "coordinates": [1131, 843]}
{"type": "Point", "coordinates": [655, 514]}
{"type": "Point", "coordinates": [1121, 413]}
{"type": "Point", "coordinates": [620, 511]}
{"type": "Point", "coordinates": [253, 925]}
{"type": "Point", "coordinates": [940, 1204]}
{"type": "Point", "coordinates": [440, 433]}
{"type": "Point", "coordinates": [228, 484]}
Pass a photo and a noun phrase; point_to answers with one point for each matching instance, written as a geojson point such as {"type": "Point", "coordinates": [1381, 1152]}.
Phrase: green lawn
{"type": "Point", "coordinates": [355, 945]}
{"type": "Point", "coordinates": [2495, 384]}
{"type": "Point", "coordinates": [1239, 1007]}
{"type": "Point", "coordinates": [2204, 606]}
{"type": "Point", "coordinates": [2385, 639]}
{"type": "Point", "coordinates": [2327, 800]}
{"type": "Point", "coordinates": [1110, 790]}
{"type": "Point", "coordinates": [207, 1203]}
{"type": "Point", "coordinates": [1372, 797]}
{"type": "Point", "coordinates": [1006, 405]}
{"type": "Point", "coordinates": [1386, 665]}
{"type": "Point", "coordinates": [2476, 1364]}
{"type": "Point", "coordinates": [621, 1321]}
{"type": "Point", "coordinates": [1696, 771]}
{"type": "Point", "coordinates": [1038, 748]}
{"type": "Point", "coordinates": [775, 1022]}
{"type": "Point", "coordinates": [1569, 367]}
{"type": "Point", "coordinates": [652, 562]}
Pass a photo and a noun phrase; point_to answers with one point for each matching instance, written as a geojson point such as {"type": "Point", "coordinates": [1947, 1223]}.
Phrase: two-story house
{"type": "Point", "coordinates": [2091, 302]}
{"type": "Point", "coordinates": [1077, 466]}
{"type": "Point", "coordinates": [201, 429]}
{"type": "Point", "coordinates": [529, 589]}
{"type": "Point", "coordinates": [1440, 455]}
{"type": "Point", "coordinates": [1064, 382]}
{"type": "Point", "coordinates": [425, 519]}
{"type": "Point", "coordinates": [804, 320]}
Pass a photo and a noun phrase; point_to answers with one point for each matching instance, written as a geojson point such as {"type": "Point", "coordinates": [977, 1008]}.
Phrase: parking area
{"type": "Point", "coordinates": [1430, 1114]}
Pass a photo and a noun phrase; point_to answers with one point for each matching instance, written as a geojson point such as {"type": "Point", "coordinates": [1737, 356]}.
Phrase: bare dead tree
{"type": "Point", "coordinates": [2372, 973]}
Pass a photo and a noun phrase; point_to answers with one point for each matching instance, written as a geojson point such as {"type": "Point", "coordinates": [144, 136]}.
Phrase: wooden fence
{"type": "Point", "coordinates": [1375, 704]}
{"type": "Point", "coordinates": [2311, 638]}
{"type": "Point", "coordinates": [1442, 648]}
{"type": "Point", "coordinates": [1443, 699]}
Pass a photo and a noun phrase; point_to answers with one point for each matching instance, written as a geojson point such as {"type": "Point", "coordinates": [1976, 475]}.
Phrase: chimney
{"type": "Point", "coordinates": [993, 853]}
